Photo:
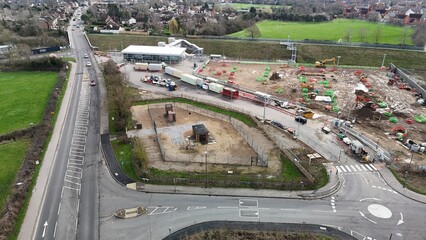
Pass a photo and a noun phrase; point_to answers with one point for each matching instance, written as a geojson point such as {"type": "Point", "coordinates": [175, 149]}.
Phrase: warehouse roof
{"type": "Point", "coordinates": [154, 50]}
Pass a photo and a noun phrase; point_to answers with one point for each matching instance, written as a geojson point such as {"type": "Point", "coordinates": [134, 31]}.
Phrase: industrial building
{"type": "Point", "coordinates": [153, 54]}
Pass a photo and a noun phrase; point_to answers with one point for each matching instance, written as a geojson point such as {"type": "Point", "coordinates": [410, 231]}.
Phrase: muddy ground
{"type": "Point", "coordinates": [227, 150]}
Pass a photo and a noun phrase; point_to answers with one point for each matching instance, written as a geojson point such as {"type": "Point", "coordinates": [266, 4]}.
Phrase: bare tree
{"type": "Point", "coordinates": [377, 34]}
{"type": "Point", "coordinates": [347, 35]}
{"type": "Point", "coordinates": [173, 26]}
{"type": "Point", "coordinates": [404, 36]}
{"type": "Point", "coordinates": [419, 35]}
{"type": "Point", "coordinates": [253, 31]}
{"type": "Point", "coordinates": [362, 34]}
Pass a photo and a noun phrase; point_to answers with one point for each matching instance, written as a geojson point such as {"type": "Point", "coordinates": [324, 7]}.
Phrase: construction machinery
{"type": "Point", "coordinates": [321, 63]}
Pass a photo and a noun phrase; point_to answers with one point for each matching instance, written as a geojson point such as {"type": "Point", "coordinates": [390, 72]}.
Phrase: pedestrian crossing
{"type": "Point", "coordinates": [356, 168]}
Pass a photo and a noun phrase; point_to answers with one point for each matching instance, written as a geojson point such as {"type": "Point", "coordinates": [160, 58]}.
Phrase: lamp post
{"type": "Point", "coordinates": [338, 60]}
{"type": "Point", "coordinates": [205, 153]}
{"type": "Point", "coordinates": [265, 99]}
{"type": "Point", "coordinates": [32, 129]}
{"type": "Point", "coordinates": [383, 62]}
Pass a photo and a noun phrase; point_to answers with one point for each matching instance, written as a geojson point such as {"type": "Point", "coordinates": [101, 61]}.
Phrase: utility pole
{"type": "Point", "coordinates": [205, 153]}
{"type": "Point", "coordinates": [383, 62]}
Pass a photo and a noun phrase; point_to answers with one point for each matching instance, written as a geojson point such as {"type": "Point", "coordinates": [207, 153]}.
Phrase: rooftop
{"type": "Point", "coordinates": [154, 50]}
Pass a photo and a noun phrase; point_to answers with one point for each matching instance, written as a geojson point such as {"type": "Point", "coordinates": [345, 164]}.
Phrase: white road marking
{"type": "Point", "coordinates": [263, 208]}
{"type": "Point", "coordinates": [59, 207]}
{"type": "Point", "coordinates": [363, 168]}
{"type": "Point", "coordinates": [196, 208]}
{"type": "Point", "coordinates": [400, 221]}
{"type": "Point", "coordinates": [321, 211]}
{"type": "Point", "coordinates": [369, 168]}
{"type": "Point", "coordinates": [340, 169]}
{"type": "Point", "coordinates": [363, 215]}
{"type": "Point", "coordinates": [349, 169]}
{"type": "Point", "coordinates": [372, 166]}
{"type": "Point", "coordinates": [358, 167]}
{"type": "Point", "coordinates": [353, 168]}
{"type": "Point", "coordinates": [290, 209]}
{"type": "Point", "coordinates": [226, 207]}
{"type": "Point", "coordinates": [54, 231]}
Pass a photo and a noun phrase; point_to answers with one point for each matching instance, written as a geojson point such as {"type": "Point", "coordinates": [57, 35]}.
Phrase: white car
{"type": "Point", "coordinates": [86, 56]}
{"type": "Point", "coordinates": [89, 64]}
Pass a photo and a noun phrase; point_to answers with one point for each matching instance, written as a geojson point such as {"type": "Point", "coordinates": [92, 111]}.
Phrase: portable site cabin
{"type": "Point", "coordinates": [200, 133]}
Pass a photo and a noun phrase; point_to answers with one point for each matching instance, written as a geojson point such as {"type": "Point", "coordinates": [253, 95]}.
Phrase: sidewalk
{"type": "Point", "coordinates": [398, 187]}
{"type": "Point", "coordinates": [329, 189]}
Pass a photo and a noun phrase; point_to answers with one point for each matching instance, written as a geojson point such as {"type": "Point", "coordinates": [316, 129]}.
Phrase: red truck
{"type": "Point", "coordinates": [231, 93]}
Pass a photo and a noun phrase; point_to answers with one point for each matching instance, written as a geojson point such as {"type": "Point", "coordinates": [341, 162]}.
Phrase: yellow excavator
{"type": "Point", "coordinates": [321, 63]}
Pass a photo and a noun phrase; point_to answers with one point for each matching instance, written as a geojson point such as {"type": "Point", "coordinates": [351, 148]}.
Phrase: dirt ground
{"type": "Point", "coordinates": [227, 151]}
{"type": "Point", "coordinates": [342, 81]}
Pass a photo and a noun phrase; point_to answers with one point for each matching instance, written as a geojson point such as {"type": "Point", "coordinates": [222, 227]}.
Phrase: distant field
{"type": "Point", "coordinates": [333, 31]}
{"type": "Point", "coordinates": [24, 96]}
{"type": "Point", "coordinates": [11, 157]}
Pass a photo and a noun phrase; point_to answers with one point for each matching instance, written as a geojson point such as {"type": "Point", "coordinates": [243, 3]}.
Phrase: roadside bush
{"type": "Point", "coordinates": [140, 157]}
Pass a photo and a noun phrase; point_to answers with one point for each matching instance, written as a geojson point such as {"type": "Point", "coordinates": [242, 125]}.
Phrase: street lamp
{"type": "Point", "coordinates": [338, 60]}
{"type": "Point", "coordinates": [265, 99]}
{"type": "Point", "coordinates": [383, 62]}
{"type": "Point", "coordinates": [205, 153]}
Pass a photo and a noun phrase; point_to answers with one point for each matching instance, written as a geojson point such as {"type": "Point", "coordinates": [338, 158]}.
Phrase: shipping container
{"type": "Point", "coordinates": [45, 50]}
{"type": "Point", "coordinates": [229, 92]}
{"type": "Point", "coordinates": [155, 67]}
{"type": "Point", "coordinates": [215, 87]}
{"type": "Point", "coordinates": [188, 78]}
{"type": "Point", "coordinates": [173, 72]}
{"type": "Point", "coordinates": [141, 66]}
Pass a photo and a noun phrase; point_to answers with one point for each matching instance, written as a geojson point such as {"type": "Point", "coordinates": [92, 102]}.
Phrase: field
{"type": "Point", "coordinates": [11, 156]}
{"type": "Point", "coordinates": [24, 96]}
{"type": "Point", "coordinates": [333, 31]}
{"type": "Point", "coordinates": [273, 50]}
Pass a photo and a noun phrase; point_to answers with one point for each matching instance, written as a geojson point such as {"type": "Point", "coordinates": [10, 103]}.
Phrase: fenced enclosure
{"type": "Point", "coordinates": [197, 153]}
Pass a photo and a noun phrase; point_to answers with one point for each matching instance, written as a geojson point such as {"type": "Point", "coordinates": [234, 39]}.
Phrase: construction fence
{"type": "Point", "coordinates": [261, 159]}
{"type": "Point", "coordinates": [411, 80]}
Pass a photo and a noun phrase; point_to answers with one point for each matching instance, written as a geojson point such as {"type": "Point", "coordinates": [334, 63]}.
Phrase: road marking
{"type": "Point", "coordinates": [363, 168]}
{"type": "Point", "coordinates": [54, 231]}
{"type": "Point", "coordinates": [363, 215]}
{"type": "Point", "coordinates": [290, 209]}
{"type": "Point", "coordinates": [77, 168]}
{"type": "Point", "coordinates": [379, 211]}
{"type": "Point", "coordinates": [227, 207]}
{"type": "Point", "coordinates": [372, 166]}
{"type": "Point", "coordinates": [263, 208]}
{"type": "Point", "coordinates": [71, 182]}
{"type": "Point", "coordinates": [369, 168]}
{"type": "Point", "coordinates": [248, 203]}
{"type": "Point", "coordinates": [364, 199]}
{"type": "Point", "coordinates": [358, 167]}
{"type": "Point", "coordinates": [72, 177]}
{"type": "Point", "coordinates": [353, 168]}
{"type": "Point", "coordinates": [321, 211]}
{"type": "Point", "coordinates": [250, 213]}
{"type": "Point", "coordinates": [59, 207]}
{"type": "Point", "coordinates": [44, 229]}
{"type": "Point", "coordinates": [195, 208]}
{"type": "Point", "coordinates": [341, 169]}
{"type": "Point", "coordinates": [400, 221]}
{"type": "Point", "coordinates": [349, 169]}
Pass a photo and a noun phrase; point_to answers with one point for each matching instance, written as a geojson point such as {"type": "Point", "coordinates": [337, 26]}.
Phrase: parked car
{"type": "Point", "coordinates": [325, 130]}
{"type": "Point", "coordinates": [300, 119]}
{"type": "Point", "coordinates": [86, 56]}
{"type": "Point", "coordinates": [278, 124]}
{"type": "Point", "coordinates": [92, 83]}
{"type": "Point", "coordinates": [89, 64]}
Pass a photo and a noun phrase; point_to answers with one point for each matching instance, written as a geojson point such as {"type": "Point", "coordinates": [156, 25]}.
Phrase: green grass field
{"type": "Point", "coordinates": [11, 157]}
{"type": "Point", "coordinates": [24, 96]}
{"type": "Point", "coordinates": [332, 31]}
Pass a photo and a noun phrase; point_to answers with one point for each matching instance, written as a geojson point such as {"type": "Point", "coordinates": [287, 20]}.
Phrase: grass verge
{"type": "Point", "coordinates": [306, 53]}
{"type": "Point", "coordinates": [415, 184]}
{"type": "Point", "coordinates": [11, 158]}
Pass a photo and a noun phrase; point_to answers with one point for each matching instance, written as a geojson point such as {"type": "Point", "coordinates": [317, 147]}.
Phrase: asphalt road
{"type": "Point", "coordinates": [70, 204]}
{"type": "Point", "coordinates": [364, 207]}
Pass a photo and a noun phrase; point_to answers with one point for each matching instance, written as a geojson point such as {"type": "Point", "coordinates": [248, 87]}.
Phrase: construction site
{"type": "Point", "coordinates": [377, 101]}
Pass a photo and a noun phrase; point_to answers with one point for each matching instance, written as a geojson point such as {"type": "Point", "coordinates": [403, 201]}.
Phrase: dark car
{"type": "Point", "coordinates": [300, 119]}
{"type": "Point", "coordinates": [277, 124]}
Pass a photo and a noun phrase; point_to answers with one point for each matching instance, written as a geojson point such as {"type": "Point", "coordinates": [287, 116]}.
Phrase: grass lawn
{"type": "Point", "coordinates": [333, 31]}
{"type": "Point", "coordinates": [24, 96]}
{"type": "Point", "coordinates": [11, 157]}
{"type": "Point", "coordinates": [289, 171]}
{"type": "Point", "coordinates": [123, 152]}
